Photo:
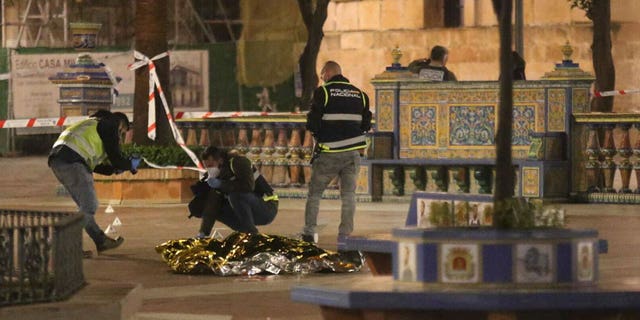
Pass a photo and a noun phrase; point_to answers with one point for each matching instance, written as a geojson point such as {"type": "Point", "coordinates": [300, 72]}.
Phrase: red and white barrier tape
{"type": "Point", "coordinates": [40, 122]}
{"type": "Point", "coordinates": [615, 93]}
{"type": "Point", "coordinates": [153, 165]}
{"type": "Point", "coordinates": [66, 121]}
{"type": "Point", "coordinates": [154, 82]}
{"type": "Point", "coordinates": [229, 114]}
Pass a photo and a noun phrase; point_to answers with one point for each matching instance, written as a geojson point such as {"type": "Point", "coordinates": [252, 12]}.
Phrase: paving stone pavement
{"type": "Point", "coordinates": [26, 183]}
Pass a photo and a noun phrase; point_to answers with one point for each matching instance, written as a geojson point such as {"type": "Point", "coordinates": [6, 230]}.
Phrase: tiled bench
{"type": "Point", "coordinates": [384, 298]}
{"type": "Point", "coordinates": [378, 248]}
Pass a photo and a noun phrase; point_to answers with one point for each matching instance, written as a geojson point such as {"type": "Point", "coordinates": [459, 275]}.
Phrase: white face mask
{"type": "Point", "coordinates": [213, 172]}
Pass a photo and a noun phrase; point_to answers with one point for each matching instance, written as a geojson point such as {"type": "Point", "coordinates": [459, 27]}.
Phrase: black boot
{"type": "Point", "coordinates": [110, 243]}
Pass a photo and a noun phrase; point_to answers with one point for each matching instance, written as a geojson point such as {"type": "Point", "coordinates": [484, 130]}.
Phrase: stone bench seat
{"type": "Point", "coordinates": [384, 298]}
{"type": "Point", "coordinates": [377, 249]}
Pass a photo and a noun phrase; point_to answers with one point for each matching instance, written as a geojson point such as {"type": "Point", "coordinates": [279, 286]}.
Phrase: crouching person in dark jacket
{"type": "Point", "coordinates": [232, 192]}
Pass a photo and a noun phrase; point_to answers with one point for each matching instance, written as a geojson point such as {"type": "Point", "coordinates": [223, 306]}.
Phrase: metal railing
{"type": "Point", "coordinates": [40, 256]}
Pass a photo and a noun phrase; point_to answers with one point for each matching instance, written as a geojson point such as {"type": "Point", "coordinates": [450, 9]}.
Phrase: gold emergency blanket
{"type": "Point", "coordinates": [251, 254]}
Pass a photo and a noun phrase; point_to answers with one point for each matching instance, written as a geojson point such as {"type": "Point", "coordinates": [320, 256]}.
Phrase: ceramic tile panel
{"type": "Point", "coordinates": [472, 125]}
{"type": "Point", "coordinates": [585, 261]}
{"type": "Point", "coordinates": [385, 120]}
{"type": "Point", "coordinates": [535, 263]}
{"type": "Point", "coordinates": [580, 99]}
{"type": "Point", "coordinates": [460, 263]}
{"type": "Point", "coordinates": [424, 126]}
{"type": "Point", "coordinates": [557, 112]}
{"type": "Point", "coordinates": [407, 262]}
{"type": "Point", "coordinates": [530, 181]}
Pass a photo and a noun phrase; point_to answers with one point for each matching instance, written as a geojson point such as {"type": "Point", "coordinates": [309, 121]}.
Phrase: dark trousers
{"type": "Point", "coordinates": [240, 211]}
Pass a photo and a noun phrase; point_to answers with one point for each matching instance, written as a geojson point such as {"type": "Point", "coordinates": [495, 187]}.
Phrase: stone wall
{"type": "Point", "coordinates": [361, 34]}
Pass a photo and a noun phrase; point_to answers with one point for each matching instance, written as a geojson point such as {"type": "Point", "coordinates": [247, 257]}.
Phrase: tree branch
{"type": "Point", "coordinates": [306, 10]}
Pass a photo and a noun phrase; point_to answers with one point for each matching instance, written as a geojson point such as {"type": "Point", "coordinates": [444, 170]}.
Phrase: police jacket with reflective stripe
{"type": "Point", "coordinates": [339, 116]}
{"type": "Point", "coordinates": [239, 175]}
{"type": "Point", "coordinates": [91, 142]}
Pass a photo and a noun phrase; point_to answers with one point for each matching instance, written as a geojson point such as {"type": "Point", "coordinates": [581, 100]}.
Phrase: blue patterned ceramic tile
{"type": "Point", "coordinates": [524, 118]}
{"type": "Point", "coordinates": [472, 125]}
{"type": "Point", "coordinates": [423, 126]}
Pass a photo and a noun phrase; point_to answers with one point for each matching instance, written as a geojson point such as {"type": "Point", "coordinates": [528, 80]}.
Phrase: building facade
{"type": "Point", "coordinates": [360, 35]}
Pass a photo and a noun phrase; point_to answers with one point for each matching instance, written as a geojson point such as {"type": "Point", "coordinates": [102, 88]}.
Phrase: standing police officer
{"type": "Point", "coordinates": [338, 118]}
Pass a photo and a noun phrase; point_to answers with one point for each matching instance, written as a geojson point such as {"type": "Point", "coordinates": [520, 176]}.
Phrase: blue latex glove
{"type": "Point", "coordinates": [214, 183]}
{"type": "Point", "coordinates": [135, 162]}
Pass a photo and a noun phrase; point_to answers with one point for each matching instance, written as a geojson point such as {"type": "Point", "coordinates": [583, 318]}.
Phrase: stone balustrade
{"type": "Point", "coordinates": [611, 153]}
{"type": "Point", "coordinates": [278, 145]}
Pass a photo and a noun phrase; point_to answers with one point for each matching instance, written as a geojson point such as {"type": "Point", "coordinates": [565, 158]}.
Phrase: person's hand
{"type": "Point", "coordinates": [214, 183]}
{"type": "Point", "coordinates": [135, 162]}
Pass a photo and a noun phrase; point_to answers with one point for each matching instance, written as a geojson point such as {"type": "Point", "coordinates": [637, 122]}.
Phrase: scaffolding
{"type": "Point", "coordinates": [187, 22]}
{"type": "Point", "coordinates": [38, 23]}
{"type": "Point", "coordinates": [45, 23]}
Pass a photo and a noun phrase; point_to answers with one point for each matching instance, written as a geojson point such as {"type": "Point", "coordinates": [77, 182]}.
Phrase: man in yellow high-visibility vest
{"type": "Point", "coordinates": [84, 148]}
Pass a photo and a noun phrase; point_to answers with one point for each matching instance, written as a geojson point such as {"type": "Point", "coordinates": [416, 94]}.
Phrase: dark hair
{"type": "Point", "coordinates": [438, 53]}
{"type": "Point", "coordinates": [214, 152]}
{"type": "Point", "coordinates": [117, 116]}
{"type": "Point", "coordinates": [121, 117]}
{"type": "Point", "coordinates": [101, 113]}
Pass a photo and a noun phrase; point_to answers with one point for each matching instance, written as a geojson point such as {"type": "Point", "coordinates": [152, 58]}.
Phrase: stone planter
{"type": "Point", "coordinates": [148, 186]}
{"type": "Point", "coordinates": [550, 257]}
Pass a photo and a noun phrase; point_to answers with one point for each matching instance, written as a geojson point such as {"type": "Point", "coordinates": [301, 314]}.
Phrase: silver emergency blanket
{"type": "Point", "coordinates": [252, 254]}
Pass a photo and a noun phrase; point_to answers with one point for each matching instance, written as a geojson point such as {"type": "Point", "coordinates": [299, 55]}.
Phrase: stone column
{"type": "Point", "coordinates": [295, 150]}
{"type": "Point", "coordinates": [592, 167]}
{"type": "Point", "coordinates": [255, 146]}
{"type": "Point", "coordinates": [192, 134]}
{"type": "Point", "coordinates": [625, 151]}
{"type": "Point", "coordinates": [204, 134]}
{"type": "Point", "coordinates": [242, 142]}
{"type": "Point", "coordinates": [280, 162]}
{"type": "Point", "coordinates": [636, 152]}
{"type": "Point", "coordinates": [608, 165]}
{"type": "Point", "coordinates": [307, 151]}
{"type": "Point", "coordinates": [266, 157]}
{"type": "Point", "coordinates": [228, 135]}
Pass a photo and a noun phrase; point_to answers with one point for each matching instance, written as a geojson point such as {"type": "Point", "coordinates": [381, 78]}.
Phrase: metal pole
{"type": "Point", "coordinates": [4, 24]}
{"type": "Point", "coordinates": [65, 22]}
{"type": "Point", "coordinates": [176, 22]}
{"type": "Point", "coordinates": [10, 113]}
{"type": "Point", "coordinates": [519, 38]}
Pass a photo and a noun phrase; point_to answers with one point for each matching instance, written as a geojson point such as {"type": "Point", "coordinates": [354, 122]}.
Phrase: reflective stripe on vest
{"type": "Point", "coordinates": [83, 138]}
{"type": "Point", "coordinates": [359, 142]}
{"type": "Point", "coordinates": [342, 116]}
{"type": "Point", "coordinates": [273, 197]}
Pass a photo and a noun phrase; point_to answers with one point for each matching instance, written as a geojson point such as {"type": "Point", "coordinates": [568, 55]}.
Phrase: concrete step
{"type": "Point", "coordinates": [96, 301]}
